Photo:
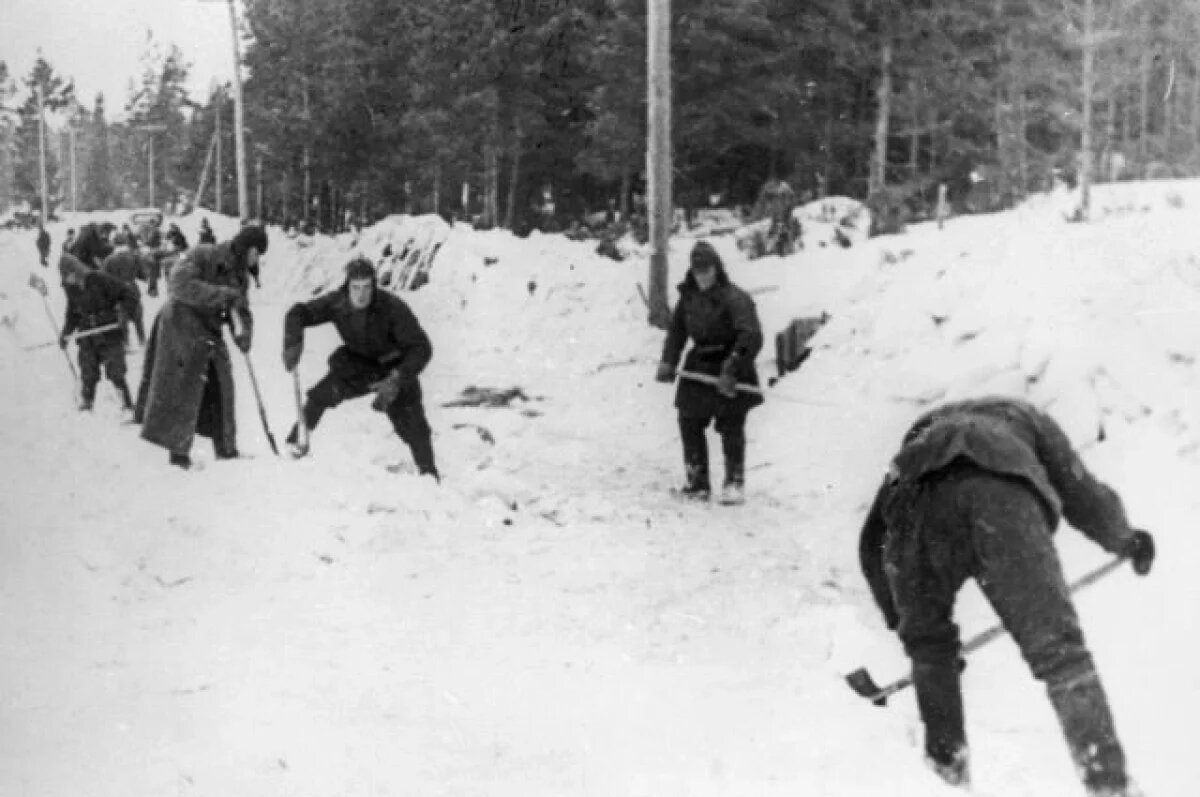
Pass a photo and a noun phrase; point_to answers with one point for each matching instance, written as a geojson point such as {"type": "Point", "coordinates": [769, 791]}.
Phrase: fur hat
{"type": "Point", "coordinates": [360, 268]}
{"type": "Point", "coordinates": [252, 236]}
{"type": "Point", "coordinates": [704, 256]}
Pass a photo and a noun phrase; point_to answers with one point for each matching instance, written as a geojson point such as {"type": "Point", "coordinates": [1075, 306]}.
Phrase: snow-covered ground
{"type": "Point", "coordinates": [549, 621]}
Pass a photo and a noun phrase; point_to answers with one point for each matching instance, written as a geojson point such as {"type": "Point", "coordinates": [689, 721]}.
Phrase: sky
{"type": "Point", "coordinates": [99, 44]}
{"type": "Point", "coordinates": [549, 620]}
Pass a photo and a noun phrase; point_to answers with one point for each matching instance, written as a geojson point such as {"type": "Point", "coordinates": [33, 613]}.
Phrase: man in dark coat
{"type": "Point", "coordinates": [129, 266]}
{"type": "Point", "coordinates": [976, 491]}
{"type": "Point", "coordinates": [384, 349]}
{"type": "Point", "coordinates": [95, 300]}
{"type": "Point", "coordinates": [721, 320]}
{"type": "Point", "coordinates": [43, 245]}
{"type": "Point", "coordinates": [187, 379]}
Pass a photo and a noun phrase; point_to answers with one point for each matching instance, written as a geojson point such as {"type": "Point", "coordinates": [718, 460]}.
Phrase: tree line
{"type": "Point", "coordinates": [502, 108]}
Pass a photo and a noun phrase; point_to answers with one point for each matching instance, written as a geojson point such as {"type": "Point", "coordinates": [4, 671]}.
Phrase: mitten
{"type": "Point", "coordinates": [665, 373]}
{"type": "Point", "coordinates": [386, 391]}
{"type": "Point", "coordinates": [242, 340]}
{"type": "Point", "coordinates": [727, 381]}
{"type": "Point", "coordinates": [1140, 551]}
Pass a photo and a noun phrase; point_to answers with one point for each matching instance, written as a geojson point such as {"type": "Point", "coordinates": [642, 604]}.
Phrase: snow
{"type": "Point", "coordinates": [548, 621]}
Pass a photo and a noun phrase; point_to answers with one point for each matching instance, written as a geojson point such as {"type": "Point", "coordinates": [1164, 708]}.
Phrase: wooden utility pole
{"type": "Point", "coordinates": [239, 117]}
{"type": "Point", "coordinates": [74, 179]}
{"type": "Point", "coordinates": [42, 154]}
{"type": "Point", "coordinates": [658, 156]}
{"type": "Point", "coordinates": [217, 181]}
{"type": "Point", "coordinates": [1085, 139]}
{"type": "Point", "coordinates": [258, 177]}
{"type": "Point", "coordinates": [151, 130]}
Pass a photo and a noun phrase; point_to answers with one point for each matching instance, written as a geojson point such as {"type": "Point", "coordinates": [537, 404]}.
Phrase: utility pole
{"type": "Point", "coordinates": [239, 139]}
{"type": "Point", "coordinates": [217, 175]}
{"type": "Point", "coordinates": [42, 153]}
{"type": "Point", "coordinates": [239, 116]}
{"type": "Point", "coordinates": [658, 156]}
{"type": "Point", "coordinates": [151, 130]}
{"type": "Point", "coordinates": [259, 191]}
{"type": "Point", "coordinates": [74, 180]}
{"type": "Point", "coordinates": [1085, 139]}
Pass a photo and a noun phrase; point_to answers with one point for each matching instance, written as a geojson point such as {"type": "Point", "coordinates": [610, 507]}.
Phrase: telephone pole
{"type": "Point", "coordinates": [151, 130]}
{"type": "Point", "coordinates": [658, 155]}
{"type": "Point", "coordinates": [42, 153]}
{"type": "Point", "coordinates": [239, 136]}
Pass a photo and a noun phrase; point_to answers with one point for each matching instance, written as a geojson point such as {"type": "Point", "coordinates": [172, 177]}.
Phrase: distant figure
{"type": "Point", "coordinates": [176, 238]}
{"type": "Point", "coordinates": [69, 239]}
{"type": "Point", "coordinates": [206, 234]}
{"type": "Point", "coordinates": [722, 323]}
{"type": "Point", "coordinates": [976, 491]}
{"type": "Point", "coordinates": [384, 349]}
{"type": "Point", "coordinates": [43, 245]}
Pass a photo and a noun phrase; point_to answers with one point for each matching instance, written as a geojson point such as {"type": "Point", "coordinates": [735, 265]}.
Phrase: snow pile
{"type": "Point", "coordinates": [549, 620]}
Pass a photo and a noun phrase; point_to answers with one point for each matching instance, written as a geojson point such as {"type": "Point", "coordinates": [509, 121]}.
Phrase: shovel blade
{"type": "Point", "coordinates": [864, 686]}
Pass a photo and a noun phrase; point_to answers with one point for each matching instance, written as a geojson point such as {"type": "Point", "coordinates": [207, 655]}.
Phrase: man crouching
{"type": "Point", "coordinates": [384, 350]}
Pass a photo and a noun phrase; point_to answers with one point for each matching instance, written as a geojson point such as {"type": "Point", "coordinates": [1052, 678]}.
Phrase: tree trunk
{"type": "Point", "coordinates": [876, 176]}
{"type": "Point", "coordinates": [914, 142]}
{"type": "Point", "coordinates": [1022, 144]}
{"type": "Point", "coordinates": [437, 186]}
{"type": "Point", "coordinates": [510, 212]}
{"type": "Point", "coordinates": [1144, 99]}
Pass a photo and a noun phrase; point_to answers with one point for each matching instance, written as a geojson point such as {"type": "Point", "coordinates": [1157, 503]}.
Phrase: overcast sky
{"type": "Point", "coordinates": [99, 42]}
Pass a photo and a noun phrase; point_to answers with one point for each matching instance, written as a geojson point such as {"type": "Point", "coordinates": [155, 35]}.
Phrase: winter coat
{"type": "Point", "coordinates": [186, 349]}
{"type": "Point", "coordinates": [720, 321]}
{"type": "Point", "coordinates": [206, 235]}
{"type": "Point", "coordinates": [97, 302]}
{"type": "Point", "coordinates": [385, 332]}
{"type": "Point", "coordinates": [130, 266]}
{"type": "Point", "coordinates": [1011, 439]}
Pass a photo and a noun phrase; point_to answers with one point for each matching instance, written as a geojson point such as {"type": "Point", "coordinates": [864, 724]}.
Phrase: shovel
{"type": "Point", "coordinates": [864, 685]}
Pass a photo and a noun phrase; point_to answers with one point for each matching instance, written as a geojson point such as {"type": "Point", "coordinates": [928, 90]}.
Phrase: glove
{"type": "Point", "coordinates": [1140, 551]}
{"type": "Point", "coordinates": [62, 341]}
{"type": "Point", "coordinates": [727, 381]}
{"type": "Point", "coordinates": [291, 356]}
{"type": "Point", "coordinates": [237, 301]}
{"type": "Point", "coordinates": [242, 340]}
{"type": "Point", "coordinates": [665, 373]}
{"type": "Point", "coordinates": [386, 391]}
{"type": "Point", "coordinates": [152, 291]}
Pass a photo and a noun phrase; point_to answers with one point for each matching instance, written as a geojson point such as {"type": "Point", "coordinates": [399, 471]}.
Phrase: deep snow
{"type": "Point", "coordinates": [549, 621]}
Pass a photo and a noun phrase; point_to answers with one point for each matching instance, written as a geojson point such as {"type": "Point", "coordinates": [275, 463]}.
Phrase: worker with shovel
{"type": "Point", "coordinates": [976, 491]}
{"type": "Point", "coordinates": [95, 302]}
{"type": "Point", "coordinates": [383, 351]}
{"type": "Point", "coordinates": [718, 383]}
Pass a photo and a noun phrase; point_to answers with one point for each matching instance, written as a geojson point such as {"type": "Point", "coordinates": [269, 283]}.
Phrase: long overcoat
{"type": "Point", "coordinates": [187, 382]}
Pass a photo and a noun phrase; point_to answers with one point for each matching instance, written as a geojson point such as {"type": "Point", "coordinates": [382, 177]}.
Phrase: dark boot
{"type": "Point", "coordinates": [126, 399]}
{"type": "Point", "coordinates": [1087, 724]}
{"type": "Point", "coordinates": [221, 451]}
{"type": "Point", "coordinates": [87, 397]}
{"type": "Point", "coordinates": [182, 461]}
{"type": "Point", "coordinates": [939, 699]}
{"type": "Point", "coordinates": [695, 458]}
